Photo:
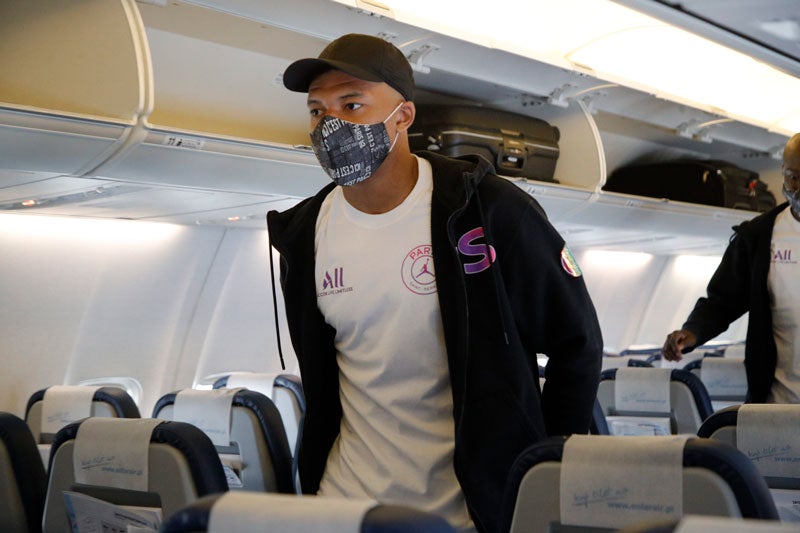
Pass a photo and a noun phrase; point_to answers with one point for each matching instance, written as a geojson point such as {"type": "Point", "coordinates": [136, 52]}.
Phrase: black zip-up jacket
{"type": "Point", "coordinates": [739, 285]}
{"type": "Point", "coordinates": [495, 322]}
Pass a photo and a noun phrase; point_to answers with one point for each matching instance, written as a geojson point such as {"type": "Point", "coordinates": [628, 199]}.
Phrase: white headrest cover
{"type": "Point", "coordinates": [113, 452]}
{"type": "Point", "coordinates": [717, 524]}
{"type": "Point", "coordinates": [244, 512]}
{"type": "Point", "coordinates": [65, 404]}
{"type": "Point", "coordinates": [723, 376]}
{"type": "Point", "coordinates": [768, 435]}
{"type": "Point", "coordinates": [259, 382]}
{"type": "Point", "coordinates": [618, 481]}
{"type": "Point", "coordinates": [210, 410]}
{"type": "Point", "coordinates": [642, 389]}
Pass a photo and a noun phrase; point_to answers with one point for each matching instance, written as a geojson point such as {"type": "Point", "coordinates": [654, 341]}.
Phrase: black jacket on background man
{"type": "Point", "coordinates": [495, 322]}
{"type": "Point", "coordinates": [739, 285]}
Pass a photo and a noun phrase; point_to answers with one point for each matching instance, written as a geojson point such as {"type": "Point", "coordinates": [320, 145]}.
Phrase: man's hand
{"type": "Point", "coordinates": [676, 342]}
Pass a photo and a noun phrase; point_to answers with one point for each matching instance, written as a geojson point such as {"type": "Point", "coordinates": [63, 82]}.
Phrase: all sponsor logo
{"type": "Point", "coordinates": [333, 283]}
{"type": "Point", "coordinates": [783, 256]}
{"type": "Point", "coordinates": [417, 271]}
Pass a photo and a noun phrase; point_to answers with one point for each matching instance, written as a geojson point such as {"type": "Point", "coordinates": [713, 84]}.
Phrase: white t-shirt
{"type": "Point", "coordinates": [376, 285]}
{"type": "Point", "coordinates": [784, 294]}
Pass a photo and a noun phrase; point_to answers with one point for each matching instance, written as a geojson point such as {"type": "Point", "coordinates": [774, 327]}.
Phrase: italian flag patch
{"type": "Point", "coordinates": [569, 264]}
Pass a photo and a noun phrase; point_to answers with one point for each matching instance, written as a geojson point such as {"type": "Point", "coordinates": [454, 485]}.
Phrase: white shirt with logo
{"type": "Point", "coordinates": [376, 285]}
{"type": "Point", "coordinates": [784, 293]}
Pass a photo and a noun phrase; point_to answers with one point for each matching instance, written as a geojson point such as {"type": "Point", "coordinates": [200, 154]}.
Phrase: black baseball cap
{"type": "Point", "coordinates": [362, 56]}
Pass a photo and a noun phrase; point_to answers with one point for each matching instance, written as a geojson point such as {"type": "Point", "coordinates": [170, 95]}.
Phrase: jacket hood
{"type": "Point", "coordinates": [469, 168]}
{"type": "Point", "coordinates": [284, 225]}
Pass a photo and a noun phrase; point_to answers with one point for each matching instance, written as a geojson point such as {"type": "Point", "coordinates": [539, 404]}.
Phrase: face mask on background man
{"type": "Point", "coordinates": [793, 197]}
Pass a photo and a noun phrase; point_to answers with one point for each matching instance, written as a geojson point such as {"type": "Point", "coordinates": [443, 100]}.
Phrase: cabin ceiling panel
{"type": "Point", "coordinates": [118, 199]}
{"type": "Point", "coordinates": [624, 222]}
{"type": "Point", "coordinates": [657, 243]}
{"type": "Point", "coordinates": [242, 216]}
{"type": "Point", "coordinates": [14, 178]}
{"type": "Point", "coordinates": [33, 187]}
{"type": "Point", "coordinates": [268, 170]}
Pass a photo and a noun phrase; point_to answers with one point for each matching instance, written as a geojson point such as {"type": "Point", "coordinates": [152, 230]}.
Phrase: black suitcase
{"type": "Point", "coordinates": [517, 145]}
{"type": "Point", "coordinates": [708, 182]}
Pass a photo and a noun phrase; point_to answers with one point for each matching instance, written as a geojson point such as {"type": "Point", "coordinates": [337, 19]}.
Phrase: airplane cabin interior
{"type": "Point", "coordinates": [143, 142]}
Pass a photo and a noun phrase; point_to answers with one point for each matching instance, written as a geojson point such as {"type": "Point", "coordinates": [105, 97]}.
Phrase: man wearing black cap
{"type": "Point", "coordinates": [418, 291]}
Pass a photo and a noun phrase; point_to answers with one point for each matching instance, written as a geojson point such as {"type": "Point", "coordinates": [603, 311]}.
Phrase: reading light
{"type": "Point", "coordinates": [619, 45]}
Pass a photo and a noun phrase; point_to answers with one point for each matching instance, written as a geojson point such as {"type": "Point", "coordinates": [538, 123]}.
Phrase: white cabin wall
{"type": "Point", "coordinates": [170, 305]}
{"type": "Point", "coordinates": [88, 298]}
{"type": "Point", "coordinates": [620, 284]}
{"type": "Point", "coordinates": [234, 329]}
{"type": "Point", "coordinates": [683, 281]}
{"type": "Point", "coordinates": [640, 298]}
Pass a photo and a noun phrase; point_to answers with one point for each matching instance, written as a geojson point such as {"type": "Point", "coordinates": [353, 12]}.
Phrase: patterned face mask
{"type": "Point", "coordinates": [793, 197]}
{"type": "Point", "coordinates": [350, 152]}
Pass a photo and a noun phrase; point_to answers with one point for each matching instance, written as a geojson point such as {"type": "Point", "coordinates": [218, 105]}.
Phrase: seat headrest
{"type": "Point", "coordinates": [618, 481]}
{"type": "Point", "coordinates": [767, 434]}
{"type": "Point", "coordinates": [114, 452]}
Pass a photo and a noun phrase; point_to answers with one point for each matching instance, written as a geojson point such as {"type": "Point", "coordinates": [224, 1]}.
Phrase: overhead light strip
{"type": "Point", "coordinates": [620, 45]}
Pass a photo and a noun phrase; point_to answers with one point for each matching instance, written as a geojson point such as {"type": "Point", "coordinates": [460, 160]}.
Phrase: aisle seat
{"type": "Point", "coordinates": [147, 463]}
{"type": "Point", "coordinates": [653, 401]}
{"type": "Point", "coordinates": [22, 478]}
{"type": "Point", "coordinates": [769, 434]}
{"type": "Point", "coordinates": [245, 512]}
{"type": "Point", "coordinates": [595, 481]}
{"type": "Point", "coordinates": [246, 430]}
{"type": "Point", "coordinates": [50, 409]}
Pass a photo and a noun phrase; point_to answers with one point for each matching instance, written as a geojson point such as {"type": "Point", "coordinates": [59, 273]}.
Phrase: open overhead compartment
{"type": "Point", "coordinates": [76, 80]}
{"type": "Point", "coordinates": [186, 97]}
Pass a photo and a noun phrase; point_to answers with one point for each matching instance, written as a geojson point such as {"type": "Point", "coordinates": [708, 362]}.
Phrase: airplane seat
{"type": "Point", "coordinates": [139, 462]}
{"type": "Point", "coordinates": [72, 403]}
{"type": "Point", "coordinates": [618, 361]}
{"type": "Point", "coordinates": [22, 478]}
{"type": "Point", "coordinates": [725, 379]}
{"type": "Point", "coordinates": [598, 425]}
{"type": "Point", "coordinates": [51, 408]}
{"type": "Point", "coordinates": [653, 401]}
{"type": "Point", "coordinates": [246, 429]}
{"type": "Point", "coordinates": [721, 425]}
{"type": "Point", "coordinates": [710, 524]}
{"type": "Point", "coordinates": [243, 512]}
{"type": "Point", "coordinates": [285, 391]}
{"type": "Point", "coordinates": [586, 482]}
{"type": "Point", "coordinates": [767, 434]}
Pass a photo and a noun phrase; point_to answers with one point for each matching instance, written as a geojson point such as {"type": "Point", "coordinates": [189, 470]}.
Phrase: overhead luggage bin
{"type": "Point", "coordinates": [199, 160]}
{"type": "Point", "coordinates": [193, 105]}
{"type": "Point", "coordinates": [76, 79]}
